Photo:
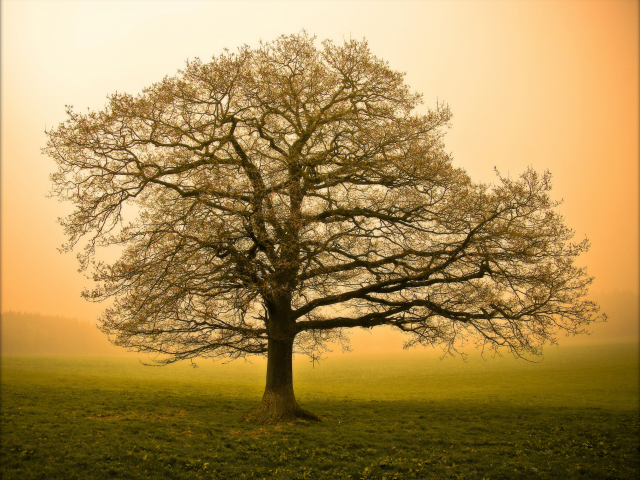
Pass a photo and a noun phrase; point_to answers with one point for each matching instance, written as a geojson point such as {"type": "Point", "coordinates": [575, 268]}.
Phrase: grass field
{"type": "Point", "coordinates": [407, 415]}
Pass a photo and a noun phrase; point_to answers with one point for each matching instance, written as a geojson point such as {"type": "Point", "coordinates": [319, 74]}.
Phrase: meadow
{"type": "Point", "coordinates": [388, 416]}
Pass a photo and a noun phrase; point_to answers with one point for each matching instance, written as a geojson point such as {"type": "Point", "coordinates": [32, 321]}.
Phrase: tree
{"type": "Point", "coordinates": [285, 194]}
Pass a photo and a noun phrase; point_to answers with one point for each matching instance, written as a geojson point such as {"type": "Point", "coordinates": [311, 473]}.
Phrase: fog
{"type": "Point", "coordinates": [549, 84]}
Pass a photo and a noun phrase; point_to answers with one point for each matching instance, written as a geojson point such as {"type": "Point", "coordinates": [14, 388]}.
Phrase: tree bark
{"type": "Point", "coordinates": [279, 402]}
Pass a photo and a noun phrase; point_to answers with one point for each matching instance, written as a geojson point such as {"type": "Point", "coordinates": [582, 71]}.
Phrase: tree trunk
{"type": "Point", "coordinates": [279, 402]}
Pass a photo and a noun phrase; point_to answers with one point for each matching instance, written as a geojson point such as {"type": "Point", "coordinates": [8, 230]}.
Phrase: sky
{"type": "Point", "coordinates": [544, 83]}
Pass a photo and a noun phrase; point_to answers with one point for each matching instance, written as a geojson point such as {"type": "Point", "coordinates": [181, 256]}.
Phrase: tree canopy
{"type": "Point", "coordinates": [285, 194]}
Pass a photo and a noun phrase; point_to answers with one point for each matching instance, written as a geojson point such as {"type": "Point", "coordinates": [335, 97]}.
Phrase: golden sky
{"type": "Point", "coordinates": [547, 83]}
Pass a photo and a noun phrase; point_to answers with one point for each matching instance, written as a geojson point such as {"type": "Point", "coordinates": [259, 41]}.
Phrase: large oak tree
{"type": "Point", "coordinates": [287, 193]}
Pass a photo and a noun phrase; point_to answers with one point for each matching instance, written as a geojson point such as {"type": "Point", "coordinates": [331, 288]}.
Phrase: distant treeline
{"type": "Point", "coordinates": [35, 334]}
{"type": "Point", "coordinates": [623, 309]}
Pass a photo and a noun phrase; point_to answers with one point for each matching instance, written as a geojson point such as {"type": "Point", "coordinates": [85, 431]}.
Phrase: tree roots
{"type": "Point", "coordinates": [267, 416]}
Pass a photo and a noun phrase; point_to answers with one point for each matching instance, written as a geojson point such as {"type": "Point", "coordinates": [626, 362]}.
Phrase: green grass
{"type": "Point", "coordinates": [574, 415]}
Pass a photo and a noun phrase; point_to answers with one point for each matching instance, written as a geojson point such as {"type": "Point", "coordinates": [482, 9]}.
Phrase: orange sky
{"type": "Point", "coordinates": [552, 84]}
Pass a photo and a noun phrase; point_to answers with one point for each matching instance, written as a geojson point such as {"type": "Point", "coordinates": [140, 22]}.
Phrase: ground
{"type": "Point", "coordinates": [574, 415]}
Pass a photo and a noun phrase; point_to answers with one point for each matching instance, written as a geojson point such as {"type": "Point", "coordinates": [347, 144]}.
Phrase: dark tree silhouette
{"type": "Point", "coordinates": [286, 193]}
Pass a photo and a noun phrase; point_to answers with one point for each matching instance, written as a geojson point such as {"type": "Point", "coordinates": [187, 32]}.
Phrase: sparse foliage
{"type": "Point", "coordinates": [286, 194]}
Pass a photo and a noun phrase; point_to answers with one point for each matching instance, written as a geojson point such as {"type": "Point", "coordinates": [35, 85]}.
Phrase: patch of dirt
{"type": "Point", "coordinates": [255, 433]}
{"type": "Point", "coordinates": [135, 415]}
{"type": "Point", "coordinates": [105, 417]}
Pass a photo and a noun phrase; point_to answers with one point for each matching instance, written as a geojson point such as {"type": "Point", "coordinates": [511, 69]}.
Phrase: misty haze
{"type": "Point", "coordinates": [320, 248]}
